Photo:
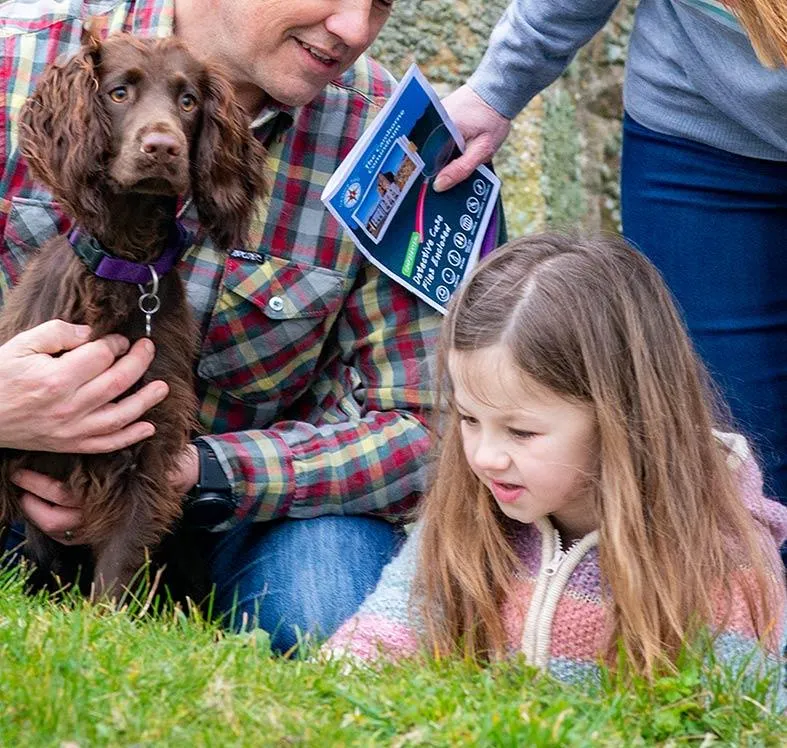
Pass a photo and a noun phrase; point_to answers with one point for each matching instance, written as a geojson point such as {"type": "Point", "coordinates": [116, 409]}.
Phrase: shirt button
{"type": "Point", "coordinates": [276, 303]}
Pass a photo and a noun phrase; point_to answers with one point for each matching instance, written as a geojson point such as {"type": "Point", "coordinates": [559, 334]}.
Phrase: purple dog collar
{"type": "Point", "coordinates": [105, 265]}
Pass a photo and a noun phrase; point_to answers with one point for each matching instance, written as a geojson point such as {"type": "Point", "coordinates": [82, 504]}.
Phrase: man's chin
{"type": "Point", "coordinates": [296, 91]}
{"type": "Point", "coordinates": [298, 98]}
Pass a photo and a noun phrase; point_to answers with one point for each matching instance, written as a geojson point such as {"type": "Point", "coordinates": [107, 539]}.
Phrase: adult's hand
{"type": "Point", "coordinates": [186, 473]}
{"type": "Point", "coordinates": [47, 504]}
{"type": "Point", "coordinates": [63, 403]}
{"type": "Point", "coordinates": [483, 128]}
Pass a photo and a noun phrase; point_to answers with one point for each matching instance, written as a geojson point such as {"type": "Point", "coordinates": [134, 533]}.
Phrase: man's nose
{"type": "Point", "coordinates": [351, 22]}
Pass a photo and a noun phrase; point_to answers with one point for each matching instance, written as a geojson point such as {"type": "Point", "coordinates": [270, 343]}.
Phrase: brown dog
{"type": "Point", "coordinates": [117, 134]}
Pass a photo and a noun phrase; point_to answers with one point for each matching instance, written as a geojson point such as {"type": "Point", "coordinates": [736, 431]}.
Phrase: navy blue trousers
{"type": "Point", "coordinates": [715, 224]}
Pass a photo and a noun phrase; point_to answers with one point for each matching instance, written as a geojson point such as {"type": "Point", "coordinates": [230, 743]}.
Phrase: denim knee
{"type": "Point", "coordinates": [303, 576]}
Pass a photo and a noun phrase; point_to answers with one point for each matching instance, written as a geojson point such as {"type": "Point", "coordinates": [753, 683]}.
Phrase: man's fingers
{"type": "Point", "coordinates": [50, 337]}
{"type": "Point", "coordinates": [105, 380]}
{"type": "Point", "coordinates": [59, 522]}
{"type": "Point", "coordinates": [44, 487]}
{"type": "Point", "coordinates": [112, 383]}
{"type": "Point", "coordinates": [115, 416]}
{"type": "Point", "coordinates": [121, 439]}
{"type": "Point", "coordinates": [91, 359]}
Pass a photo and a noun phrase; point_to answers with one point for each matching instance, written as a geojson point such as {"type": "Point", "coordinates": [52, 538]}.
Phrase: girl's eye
{"type": "Point", "coordinates": [468, 419]}
{"type": "Point", "coordinates": [517, 434]}
{"type": "Point", "coordinates": [188, 102]}
{"type": "Point", "coordinates": [119, 94]}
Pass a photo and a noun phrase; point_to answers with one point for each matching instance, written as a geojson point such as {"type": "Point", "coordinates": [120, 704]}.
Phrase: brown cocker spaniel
{"type": "Point", "coordinates": [118, 134]}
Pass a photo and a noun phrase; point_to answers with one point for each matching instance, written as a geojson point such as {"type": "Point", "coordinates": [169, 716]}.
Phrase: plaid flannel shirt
{"type": "Point", "coordinates": [311, 379]}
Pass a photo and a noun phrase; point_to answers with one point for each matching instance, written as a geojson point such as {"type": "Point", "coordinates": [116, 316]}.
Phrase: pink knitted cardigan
{"type": "Point", "coordinates": [556, 614]}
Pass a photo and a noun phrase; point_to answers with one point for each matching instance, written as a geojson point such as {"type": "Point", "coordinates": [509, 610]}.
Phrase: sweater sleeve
{"type": "Point", "coordinates": [385, 626]}
{"type": "Point", "coordinates": [749, 659]}
{"type": "Point", "coordinates": [737, 646]}
{"type": "Point", "coordinates": [531, 45]}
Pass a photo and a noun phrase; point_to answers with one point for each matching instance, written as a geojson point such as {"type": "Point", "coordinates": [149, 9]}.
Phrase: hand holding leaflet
{"type": "Point", "coordinates": [427, 241]}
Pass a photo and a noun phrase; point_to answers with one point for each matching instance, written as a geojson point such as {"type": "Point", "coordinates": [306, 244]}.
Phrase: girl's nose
{"type": "Point", "coordinates": [490, 455]}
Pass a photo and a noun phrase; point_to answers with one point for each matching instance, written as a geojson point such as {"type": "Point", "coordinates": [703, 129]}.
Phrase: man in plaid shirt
{"type": "Point", "coordinates": [311, 380]}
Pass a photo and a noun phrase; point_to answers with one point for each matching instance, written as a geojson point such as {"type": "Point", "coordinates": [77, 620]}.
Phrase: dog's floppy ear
{"type": "Point", "coordinates": [227, 166]}
{"type": "Point", "coordinates": [64, 132]}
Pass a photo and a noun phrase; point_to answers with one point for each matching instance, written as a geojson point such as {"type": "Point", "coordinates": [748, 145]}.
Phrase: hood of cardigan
{"type": "Point", "coordinates": [769, 514]}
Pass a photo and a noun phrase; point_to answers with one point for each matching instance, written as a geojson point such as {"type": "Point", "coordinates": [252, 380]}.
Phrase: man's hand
{"type": "Point", "coordinates": [483, 128]}
{"type": "Point", "coordinates": [49, 506]}
{"type": "Point", "coordinates": [186, 473]}
{"type": "Point", "coordinates": [57, 513]}
{"type": "Point", "coordinates": [64, 403]}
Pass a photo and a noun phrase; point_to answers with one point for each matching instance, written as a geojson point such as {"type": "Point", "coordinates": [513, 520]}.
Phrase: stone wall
{"type": "Point", "coordinates": [560, 165]}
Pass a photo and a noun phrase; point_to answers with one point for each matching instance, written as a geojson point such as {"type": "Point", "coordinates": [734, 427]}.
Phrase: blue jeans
{"type": "Point", "coordinates": [305, 575]}
{"type": "Point", "coordinates": [715, 225]}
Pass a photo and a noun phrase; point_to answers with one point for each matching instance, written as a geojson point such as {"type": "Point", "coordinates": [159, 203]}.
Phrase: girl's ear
{"type": "Point", "coordinates": [227, 168]}
{"type": "Point", "coordinates": [65, 132]}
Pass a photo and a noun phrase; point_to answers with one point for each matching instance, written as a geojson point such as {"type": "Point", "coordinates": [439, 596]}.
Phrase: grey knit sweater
{"type": "Point", "coordinates": [691, 71]}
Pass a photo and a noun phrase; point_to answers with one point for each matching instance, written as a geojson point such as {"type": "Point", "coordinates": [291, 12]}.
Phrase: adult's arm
{"type": "Point", "coordinates": [531, 45]}
{"type": "Point", "coordinates": [372, 460]}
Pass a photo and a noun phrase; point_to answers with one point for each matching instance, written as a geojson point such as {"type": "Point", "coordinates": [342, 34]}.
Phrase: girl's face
{"type": "Point", "coordinates": [534, 450]}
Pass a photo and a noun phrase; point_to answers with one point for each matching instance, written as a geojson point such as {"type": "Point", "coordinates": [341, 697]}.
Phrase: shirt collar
{"type": "Point", "coordinates": [272, 122]}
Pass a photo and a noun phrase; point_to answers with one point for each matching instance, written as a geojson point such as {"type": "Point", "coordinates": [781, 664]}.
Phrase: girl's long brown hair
{"type": "Point", "coordinates": [592, 321]}
{"type": "Point", "coordinates": [765, 22]}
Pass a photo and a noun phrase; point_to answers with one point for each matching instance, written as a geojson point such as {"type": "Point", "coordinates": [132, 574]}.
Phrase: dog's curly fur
{"type": "Point", "coordinates": [90, 151]}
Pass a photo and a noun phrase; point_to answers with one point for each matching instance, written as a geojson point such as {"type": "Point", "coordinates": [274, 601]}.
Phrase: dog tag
{"type": "Point", "coordinates": [149, 301]}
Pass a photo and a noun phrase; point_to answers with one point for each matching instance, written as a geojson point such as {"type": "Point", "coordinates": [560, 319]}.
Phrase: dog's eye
{"type": "Point", "coordinates": [119, 94]}
{"type": "Point", "coordinates": [188, 102]}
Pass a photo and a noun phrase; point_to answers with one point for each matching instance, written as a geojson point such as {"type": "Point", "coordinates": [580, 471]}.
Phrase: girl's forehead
{"type": "Point", "coordinates": [489, 376]}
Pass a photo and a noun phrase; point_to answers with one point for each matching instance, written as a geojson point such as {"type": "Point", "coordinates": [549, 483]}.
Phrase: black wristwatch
{"type": "Point", "coordinates": [210, 502]}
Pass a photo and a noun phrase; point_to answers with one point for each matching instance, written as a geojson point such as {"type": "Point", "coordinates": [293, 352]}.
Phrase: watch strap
{"type": "Point", "coordinates": [210, 502]}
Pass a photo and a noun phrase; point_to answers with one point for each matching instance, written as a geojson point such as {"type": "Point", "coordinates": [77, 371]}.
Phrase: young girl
{"type": "Point", "coordinates": [584, 496]}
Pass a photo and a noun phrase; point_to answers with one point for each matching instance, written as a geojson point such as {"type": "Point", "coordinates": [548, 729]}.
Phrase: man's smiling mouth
{"type": "Point", "coordinates": [317, 54]}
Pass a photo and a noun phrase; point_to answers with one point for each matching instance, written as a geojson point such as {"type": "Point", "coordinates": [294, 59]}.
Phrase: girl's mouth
{"type": "Point", "coordinates": [506, 493]}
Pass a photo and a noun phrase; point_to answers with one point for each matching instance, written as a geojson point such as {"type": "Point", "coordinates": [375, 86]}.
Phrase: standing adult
{"type": "Point", "coordinates": [311, 389]}
{"type": "Point", "coordinates": [704, 169]}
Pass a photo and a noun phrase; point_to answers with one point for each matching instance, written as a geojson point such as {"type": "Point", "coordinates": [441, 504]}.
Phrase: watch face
{"type": "Point", "coordinates": [208, 511]}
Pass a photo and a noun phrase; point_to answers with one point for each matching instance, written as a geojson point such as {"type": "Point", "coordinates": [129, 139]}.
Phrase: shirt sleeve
{"type": "Point", "coordinates": [386, 625]}
{"type": "Point", "coordinates": [531, 45]}
{"type": "Point", "coordinates": [372, 461]}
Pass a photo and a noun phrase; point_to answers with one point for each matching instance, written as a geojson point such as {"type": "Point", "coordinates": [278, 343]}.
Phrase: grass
{"type": "Point", "coordinates": [73, 674]}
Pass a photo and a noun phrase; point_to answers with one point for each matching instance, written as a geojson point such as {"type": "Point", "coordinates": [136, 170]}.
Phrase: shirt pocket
{"type": "Point", "coordinates": [31, 223]}
{"type": "Point", "coordinates": [268, 327]}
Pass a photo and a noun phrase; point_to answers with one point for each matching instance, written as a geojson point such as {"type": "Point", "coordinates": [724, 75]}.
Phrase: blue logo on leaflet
{"type": "Point", "coordinates": [352, 194]}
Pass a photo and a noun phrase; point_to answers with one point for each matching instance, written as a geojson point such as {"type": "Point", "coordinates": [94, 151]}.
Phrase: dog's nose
{"type": "Point", "coordinates": [161, 146]}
